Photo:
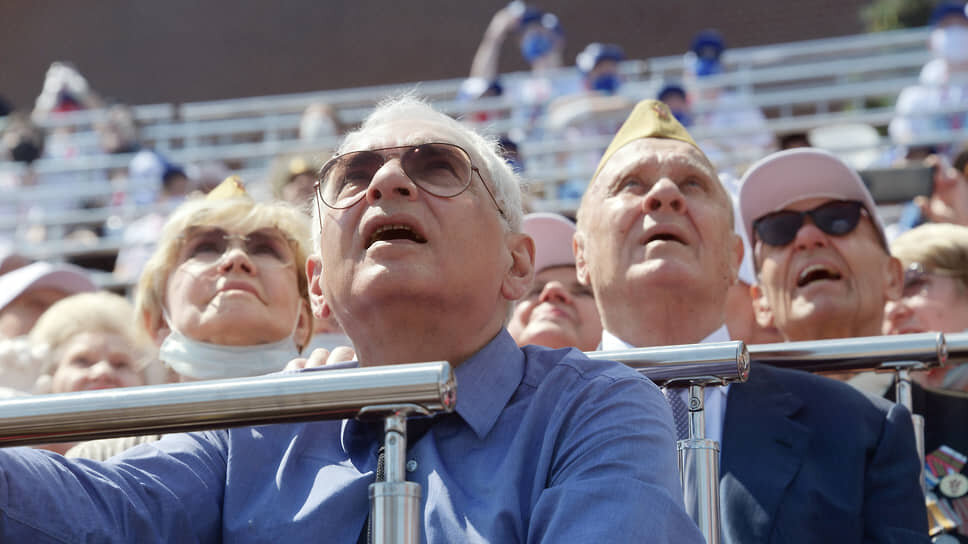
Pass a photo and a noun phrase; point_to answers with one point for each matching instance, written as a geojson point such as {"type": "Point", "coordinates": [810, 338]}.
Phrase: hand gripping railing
{"type": "Point", "coordinates": [391, 392]}
{"type": "Point", "coordinates": [694, 366]}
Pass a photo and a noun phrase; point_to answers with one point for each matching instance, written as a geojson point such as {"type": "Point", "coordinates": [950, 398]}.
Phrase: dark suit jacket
{"type": "Point", "coordinates": [810, 459]}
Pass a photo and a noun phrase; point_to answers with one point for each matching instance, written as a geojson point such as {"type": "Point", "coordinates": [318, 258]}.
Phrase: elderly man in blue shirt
{"type": "Point", "coordinates": [420, 259]}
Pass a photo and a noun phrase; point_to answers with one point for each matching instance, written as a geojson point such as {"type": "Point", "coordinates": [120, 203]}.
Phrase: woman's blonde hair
{"type": "Point", "coordinates": [937, 246]}
{"type": "Point", "coordinates": [100, 312]}
{"type": "Point", "coordinates": [238, 212]}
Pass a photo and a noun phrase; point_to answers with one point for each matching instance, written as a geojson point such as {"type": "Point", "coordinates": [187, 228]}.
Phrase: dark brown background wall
{"type": "Point", "coordinates": [146, 51]}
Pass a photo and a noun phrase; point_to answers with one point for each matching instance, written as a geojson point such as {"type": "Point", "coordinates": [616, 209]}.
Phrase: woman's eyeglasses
{"type": "Point", "coordinates": [206, 245]}
{"type": "Point", "coordinates": [441, 169]}
{"type": "Point", "coordinates": [836, 218]}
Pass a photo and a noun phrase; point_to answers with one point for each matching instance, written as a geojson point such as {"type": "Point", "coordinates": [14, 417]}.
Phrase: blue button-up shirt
{"type": "Point", "coordinates": [549, 446]}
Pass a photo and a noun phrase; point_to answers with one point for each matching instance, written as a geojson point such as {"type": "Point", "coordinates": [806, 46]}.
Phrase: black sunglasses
{"type": "Point", "coordinates": [441, 169]}
{"type": "Point", "coordinates": [836, 218]}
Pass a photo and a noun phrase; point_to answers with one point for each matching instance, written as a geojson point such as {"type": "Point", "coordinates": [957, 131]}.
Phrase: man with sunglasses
{"type": "Point", "coordinates": [824, 271]}
{"type": "Point", "coordinates": [420, 256]}
{"type": "Point", "coordinates": [804, 459]}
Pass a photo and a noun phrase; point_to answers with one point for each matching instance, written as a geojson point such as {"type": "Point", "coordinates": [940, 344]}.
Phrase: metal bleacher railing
{"type": "Point", "coordinates": [800, 86]}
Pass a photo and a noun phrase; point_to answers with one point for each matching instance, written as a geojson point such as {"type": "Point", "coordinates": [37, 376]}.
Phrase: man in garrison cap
{"type": "Point", "coordinates": [804, 458]}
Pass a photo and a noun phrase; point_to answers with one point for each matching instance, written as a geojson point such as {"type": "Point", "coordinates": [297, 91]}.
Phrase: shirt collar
{"type": "Point", "coordinates": [486, 382]}
{"type": "Point", "coordinates": [612, 342]}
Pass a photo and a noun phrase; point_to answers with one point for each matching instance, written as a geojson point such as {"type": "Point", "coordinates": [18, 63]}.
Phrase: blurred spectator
{"type": "Point", "coordinates": [674, 96]}
{"type": "Point", "coordinates": [25, 294]}
{"type": "Point", "coordinates": [319, 122]}
{"type": "Point", "coordinates": [728, 127]}
{"type": "Point", "coordinates": [139, 237]}
{"type": "Point", "coordinates": [935, 296]}
{"type": "Point", "coordinates": [293, 179]}
{"type": "Point", "coordinates": [90, 341]}
{"type": "Point", "coordinates": [21, 141]}
{"type": "Point", "coordinates": [558, 311]}
{"type": "Point", "coordinates": [542, 42]}
{"type": "Point", "coordinates": [939, 102]}
{"type": "Point", "coordinates": [592, 114]}
{"type": "Point", "coordinates": [948, 202]}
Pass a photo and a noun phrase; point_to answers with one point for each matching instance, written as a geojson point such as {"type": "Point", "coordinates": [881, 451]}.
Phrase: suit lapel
{"type": "Point", "coordinates": [763, 448]}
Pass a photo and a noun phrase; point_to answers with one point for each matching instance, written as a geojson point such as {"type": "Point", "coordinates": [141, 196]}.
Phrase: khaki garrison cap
{"type": "Point", "coordinates": [649, 119]}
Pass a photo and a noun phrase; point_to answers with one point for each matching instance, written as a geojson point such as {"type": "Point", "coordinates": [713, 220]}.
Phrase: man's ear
{"type": "Point", "coordinates": [520, 274]}
{"type": "Point", "coordinates": [737, 261]}
{"type": "Point", "coordinates": [314, 277]}
{"type": "Point", "coordinates": [581, 265]}
{"type": "Point", "coordinates": [304, 326]}
{"type": "Point", "coordinates": [893, 279]}
{"type": "Point", "coordinates": [761, 308]}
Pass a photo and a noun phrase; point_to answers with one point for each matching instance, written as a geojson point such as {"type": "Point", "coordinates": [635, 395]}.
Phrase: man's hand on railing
{"type": "Point", "coordinates": [323, 357]}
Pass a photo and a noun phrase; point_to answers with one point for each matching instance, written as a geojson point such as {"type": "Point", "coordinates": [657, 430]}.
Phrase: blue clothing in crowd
{"type": "Point", "coordinates": [549, 446]}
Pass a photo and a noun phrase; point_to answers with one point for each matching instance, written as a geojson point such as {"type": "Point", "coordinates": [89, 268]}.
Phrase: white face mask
{"type": "Point", "coordinates": [950, 43]}
{"type": "Point", "coordinates": [204, 361]}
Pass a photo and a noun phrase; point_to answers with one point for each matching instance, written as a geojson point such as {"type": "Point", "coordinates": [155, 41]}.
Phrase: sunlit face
{"type": "Point", "coordinates": [557, 312]}
{"type": "Point", "coordinates": [819, 279]}
{"type": "Point", "coordinates": [656, 216]}
{"type": "Point", "coordinates": [399, 242]}
{"type": "Point", "coordinates": [20, 315]}
{"type": "Point", "coordinates": [235, 292]}
{"type": "Point", "coordinates": [929, 302]}
{"type": "Point", "coordinates": [96, 360]}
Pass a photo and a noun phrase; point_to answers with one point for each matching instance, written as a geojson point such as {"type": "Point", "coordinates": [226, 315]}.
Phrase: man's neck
{"type": "Point", "coordinates": [412, 336]}
{"type": "Point", "coordinates": [663, 320]}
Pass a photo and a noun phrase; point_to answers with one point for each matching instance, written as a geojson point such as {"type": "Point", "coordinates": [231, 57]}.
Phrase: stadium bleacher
{"type": "Point", "coordinates": [798, 85]}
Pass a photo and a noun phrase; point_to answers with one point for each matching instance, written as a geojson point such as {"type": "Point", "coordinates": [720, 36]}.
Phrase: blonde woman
{"type": "Point", "coordinates": [91, 342]}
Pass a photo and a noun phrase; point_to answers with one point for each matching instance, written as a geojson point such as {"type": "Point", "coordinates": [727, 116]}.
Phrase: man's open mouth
{"type": "Point", "coordinates": [816, 272]}
{"type": "Point", "coordinates": [387, 233]}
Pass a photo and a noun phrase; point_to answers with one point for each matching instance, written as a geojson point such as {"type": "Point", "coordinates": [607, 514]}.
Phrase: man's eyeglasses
{"type": "Point", "coordinates": [836, 218]}
{"type": "Point", "coordinates": [441, 169]}
{"type": "Point", "coordinates": [206, 245]}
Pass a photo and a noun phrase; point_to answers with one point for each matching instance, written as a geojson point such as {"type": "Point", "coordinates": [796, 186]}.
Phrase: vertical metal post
{"type": "Point", "coordinates": [902, 383]}
{"type": "Point", "coordinates": [394, 502]}
{"type": "Point", "coordinates": [699, 470]}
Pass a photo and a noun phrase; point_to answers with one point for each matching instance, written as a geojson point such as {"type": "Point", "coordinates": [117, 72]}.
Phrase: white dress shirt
{"type": "Point", "coordinates": [714, 404]}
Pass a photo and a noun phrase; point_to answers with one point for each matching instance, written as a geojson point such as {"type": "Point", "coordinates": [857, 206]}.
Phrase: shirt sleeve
{"type": "Point", "coordinates": [894, 508]}
{"type": "Point", "coordinates": [167, 491]}
{"type": "Point", "coordinates": [615, 476]}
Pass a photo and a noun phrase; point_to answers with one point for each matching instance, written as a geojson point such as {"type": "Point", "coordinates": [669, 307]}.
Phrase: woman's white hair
{"type": "Point", "coordinates": [484, 152]}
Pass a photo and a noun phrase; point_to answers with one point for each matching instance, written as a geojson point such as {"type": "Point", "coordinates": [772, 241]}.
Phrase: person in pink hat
{"type": "Point", "coordinates": [558, 310]}
{"type": "Point", "coordinates": [824, 267]}
{"type": "Point", "coordinates": [27, 291]}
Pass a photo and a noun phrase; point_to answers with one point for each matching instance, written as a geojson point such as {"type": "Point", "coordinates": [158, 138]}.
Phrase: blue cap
{"type": "Point", "coordinates": [945, 9]}
{"type": "Point", "coordinates": [671, 88]}
{"type": "Point", "coordinates": [708, 44]}
{"type": "Point", "coordinates": [594, 53]}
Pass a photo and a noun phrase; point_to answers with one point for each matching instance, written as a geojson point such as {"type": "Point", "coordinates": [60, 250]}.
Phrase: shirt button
{"type": "Point", "coordinates": [411, 465]}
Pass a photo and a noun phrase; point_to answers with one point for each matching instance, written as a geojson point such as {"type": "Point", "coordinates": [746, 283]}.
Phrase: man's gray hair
{"type": "Point", "coordinates": [484, 151]}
